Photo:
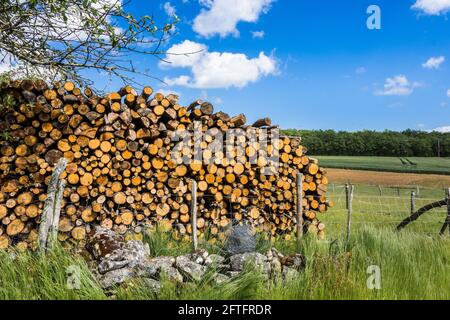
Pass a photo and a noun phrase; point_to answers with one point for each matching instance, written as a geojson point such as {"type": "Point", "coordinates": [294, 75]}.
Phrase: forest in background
{"type": "Point", "coordinates": [408, 143]}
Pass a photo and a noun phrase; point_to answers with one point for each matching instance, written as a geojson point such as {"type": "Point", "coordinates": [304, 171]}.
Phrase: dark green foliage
{"type": "Point", "coordinates": [408, 143]}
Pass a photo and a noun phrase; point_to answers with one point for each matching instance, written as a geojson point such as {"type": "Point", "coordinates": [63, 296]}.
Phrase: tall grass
{"type": "Point", "coordinates": [412, 266]}
{"type": "Point", "coordinates": [28, 275]}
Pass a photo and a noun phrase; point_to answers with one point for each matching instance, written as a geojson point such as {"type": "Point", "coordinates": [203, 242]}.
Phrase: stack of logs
{"type": "Point", "coordinates": [122, 173]}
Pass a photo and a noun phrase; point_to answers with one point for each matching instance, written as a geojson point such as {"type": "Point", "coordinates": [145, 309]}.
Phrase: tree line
{"type": "Point", "coordinates": [408, 143]}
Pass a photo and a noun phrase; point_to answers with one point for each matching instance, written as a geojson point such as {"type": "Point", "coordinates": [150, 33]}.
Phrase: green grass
{"type": "Point", "coordinates": [385, 211]}
{"type": "Point", "coordinates": [414, 263]}
{"type": "Point", "coordinates": [413, 266]}
{"type": "Point", "coordinates": [389, 164]}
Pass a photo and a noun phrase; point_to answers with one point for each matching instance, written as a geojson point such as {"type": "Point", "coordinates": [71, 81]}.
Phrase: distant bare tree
{"type": "Point", "coordinates": [60, 38]}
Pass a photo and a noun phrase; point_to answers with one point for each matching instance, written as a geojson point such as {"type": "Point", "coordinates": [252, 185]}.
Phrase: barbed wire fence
{"type": "Point", "coordinates": [357, 207]}
{"type": "Point", "coordinates": [388, 206]}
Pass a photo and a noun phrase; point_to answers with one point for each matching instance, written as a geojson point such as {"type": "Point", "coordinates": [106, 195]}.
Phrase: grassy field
{"type": "Point", "coordinates": [414, 263]}
{"type": "Point", "coordinates": [388, 164]}
{"type": "Point", "coordinates": [413, 266]}
{"type": "Point", "coordinates": [382, 208]}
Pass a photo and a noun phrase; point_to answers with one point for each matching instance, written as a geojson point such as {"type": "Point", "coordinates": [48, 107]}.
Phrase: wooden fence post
{"type": "Point", "coordinates": [413, 202]}
{"type": "Point", "coordinates": [447, 219]}
{"type": "Point", "coordinates": [54, 227]}
{"type": "Point", "coordinates": [52, 208]}
{"type": "Point", "coordinates": [299, 206]}
{"type": "Point", "coordinates": [194, 214]}
{"type": "Point", "coordinates": [417, 190]}
{"type": "Point", "coordinates": [346, 196]}
{"type": "Point", "coordinates": [349, 191]}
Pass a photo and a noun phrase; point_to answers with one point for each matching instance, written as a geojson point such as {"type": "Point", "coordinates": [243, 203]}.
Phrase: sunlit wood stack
{"type": "Point", "coordinates": [122, 172]}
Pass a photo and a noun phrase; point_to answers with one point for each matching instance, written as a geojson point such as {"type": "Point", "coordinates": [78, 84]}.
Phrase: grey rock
{"type": "Point", "coordinates": [115, 277]}
{"type": "Point", "coordinates": [104, 242]}
{"type": "Point", "coordinates": [110, 265]}
{"type": "Point", "coordinates": [289, 273]}
{"type": "Point", "coordinates": [189, 269]}
{"type": "Point", "coordinates": [257, 259]}
{"type": "Point", "coordinates": [277, 253]}
{"type": "Point", "coordinates": [147, 269]}
{"type": "Point", "coordinates": [162, 262]}
{"type": "Point", "coordinates": [299, 262]}
{"type": "Point", "coordinates": [200, 256]}
{"type": "Point", "coordinates": [171, 273]}
{"type": "Point", "coordinates": [136, 252]}
{"type": "Point", "coordinates": [154, 268]}
{"type": "Point", "coordinates": [113, 252]}
{"type": "Point", "coordinates": [240, 240]}
{"type": "Point", "coordinates": [275, 266]}
{"type": "Point", "coordinates": [153, 285]}
{"type": "Point", "coordinates": [269, 255]}
{"type": "Point", "coordinates": [296, 261]}
{"type": "Point", "coordinates": [220, 278]}
{"type": "Point", "coordinates": [215, 259]}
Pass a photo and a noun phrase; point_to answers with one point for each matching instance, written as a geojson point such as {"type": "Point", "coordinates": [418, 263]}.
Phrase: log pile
{"type": "Point", "coordinates": [125, 169]}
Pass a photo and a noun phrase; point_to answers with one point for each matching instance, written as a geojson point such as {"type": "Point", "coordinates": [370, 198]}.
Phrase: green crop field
{"type": "Point", "coordinates": [389, 164]}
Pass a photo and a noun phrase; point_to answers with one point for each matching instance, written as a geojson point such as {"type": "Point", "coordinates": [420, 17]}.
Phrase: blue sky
{"type": "Point", "coordinates": [309, 64]}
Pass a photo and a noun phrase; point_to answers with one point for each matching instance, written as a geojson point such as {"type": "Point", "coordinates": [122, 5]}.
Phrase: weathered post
{"type": "Point", "coordinates": [194, 214]}
{"type": "Point", "coordinates": [413, 202]}
{"type": "Point", "coordinates": [349, 191]}
{"type": "Point", "coordinates": [346, 196]}
{"type": "Point", "coordinates": [52, 207]}
{"type": "Point", "coordinates": [447, 219]}
{"type": "Point", "coordinates": [54, 227]}
{"type": "Point", "coordinates": [299, 206]}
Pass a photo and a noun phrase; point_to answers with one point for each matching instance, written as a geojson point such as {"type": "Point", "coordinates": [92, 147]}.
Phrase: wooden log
{"type": "Point", "coordinates": [121, 172]}
{"type": "Point", "coordinates": [265, 122]}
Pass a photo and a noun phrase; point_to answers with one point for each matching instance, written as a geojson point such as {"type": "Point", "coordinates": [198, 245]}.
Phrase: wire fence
{"type": "Point", "coordinates": [386, 206]}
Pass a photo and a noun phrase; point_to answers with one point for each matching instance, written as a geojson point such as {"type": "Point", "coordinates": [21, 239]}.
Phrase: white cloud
{"type": "Point", "coordinates": [448, 93]}
{"type": "Point", "coordinates": [258, 34]}
{"type": "Point", "coordinates": [222, 16]}
{"type": "Point", "coordinates": [432, 7]}
{"type": "Point", "coordinates": [397, 86]}
{"type": "Point", "coordinates": [169, 9]}
{"type": "Point", "coordinates": [184, 54]}
{"type": "Point", "coordinates": [360, 70]}
{"type": "Point", "coordinates": [434, 62]}
{"type": "Point", "coordinates": [217, 69]}
{"type": "Point", "coordinates": [442, 129]}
